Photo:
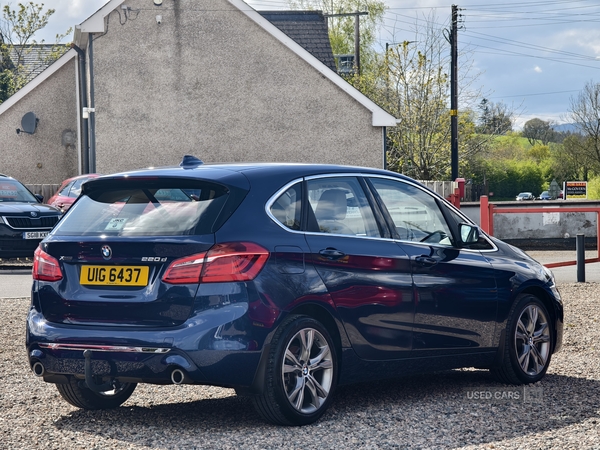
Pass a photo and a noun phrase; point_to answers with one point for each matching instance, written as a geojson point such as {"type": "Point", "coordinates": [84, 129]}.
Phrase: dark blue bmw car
{"type": "Point", "coordinates": [282, 281]}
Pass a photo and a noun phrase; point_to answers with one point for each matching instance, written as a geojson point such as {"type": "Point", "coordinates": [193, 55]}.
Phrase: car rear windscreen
{"type": "Point", "coordinates": [145, 208]}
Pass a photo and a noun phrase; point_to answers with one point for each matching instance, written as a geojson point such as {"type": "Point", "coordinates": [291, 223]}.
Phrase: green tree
{"type": "Point", "coordinates": [342, 28]}
{"type": "Point", "coordinates": [509, 177]}
{"type": "Point", "coordinates": [539, 152]}
{"type": "Point", "coordinates": [585, 112]}
{"type": "Point", "coordinates": [495, 118]}
{"type": "Point", "coordinates": [419, 93]}
{"type": "Point", "coordinates": [571, 160]}
{"type": "Point", "coordinates": [416, 83]}
{"type": "Point", "coordinates": [17, 31]}
{"type": "Point", "coordinates": [538, 130]}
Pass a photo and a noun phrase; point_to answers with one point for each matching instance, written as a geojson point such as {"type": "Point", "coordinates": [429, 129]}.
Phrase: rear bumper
{"type": "Point", "coordinates": [219, 347]}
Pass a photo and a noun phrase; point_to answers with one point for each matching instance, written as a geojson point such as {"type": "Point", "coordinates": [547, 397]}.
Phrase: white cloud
{"type": "Point", "coordinates": [583, 40]}
{"type": "Point", "coordinates": [557, 118]}
{"type": "Point", "coordinates": [537, 69]}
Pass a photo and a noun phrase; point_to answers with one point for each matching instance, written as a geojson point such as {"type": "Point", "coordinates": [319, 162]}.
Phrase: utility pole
{"type": "Point", "coordinates": [454, 93]}
{"type": "Point", "coordinates": [356, 15]}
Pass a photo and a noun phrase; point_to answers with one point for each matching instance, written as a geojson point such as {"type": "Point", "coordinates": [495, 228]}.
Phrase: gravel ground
{"type": "Point", "coordinates": [432, 411]}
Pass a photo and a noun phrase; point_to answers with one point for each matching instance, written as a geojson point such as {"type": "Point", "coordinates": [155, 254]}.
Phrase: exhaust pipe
{"type": "Point", "coordinates": [178, 376]}
{"type": "Point", "coordinates": [38, 369]}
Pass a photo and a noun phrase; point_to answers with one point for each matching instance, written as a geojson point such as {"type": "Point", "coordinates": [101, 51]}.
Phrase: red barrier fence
{"type": "Point", "coordinates": [455, 198]}
{"type": "Point", "coordinates": [487, 211]}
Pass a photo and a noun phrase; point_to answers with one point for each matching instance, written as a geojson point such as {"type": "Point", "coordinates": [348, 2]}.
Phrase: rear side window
{"type": "Point", "coordinates": [135, 208]}
{"type": "Point", "coordinates": [339, 206]}
{"type": "Point", "coordinates": [286, 209]}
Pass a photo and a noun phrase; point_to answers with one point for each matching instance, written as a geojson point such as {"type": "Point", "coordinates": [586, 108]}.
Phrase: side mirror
{"type": "Point", "coordinates": [469, 234]}
{"type": "Point", "coordinates": [40, 197]}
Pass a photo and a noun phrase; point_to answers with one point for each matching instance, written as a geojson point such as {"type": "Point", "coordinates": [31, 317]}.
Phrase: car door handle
{"type": "Point", "coordinates": [426, 261]}
{"type": "Point", "coordinates": [331, 253]}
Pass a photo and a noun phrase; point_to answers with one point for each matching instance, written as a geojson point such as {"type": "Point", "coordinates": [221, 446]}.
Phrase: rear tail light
{"type": "Point", "coordinates": [45, 267]}
{"type": "Point", "coordinates": [233, 261]}
{"type": "Point", "coordinates": [185, 270]}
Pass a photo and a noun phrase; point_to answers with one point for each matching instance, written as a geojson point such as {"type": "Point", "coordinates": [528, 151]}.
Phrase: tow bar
{"type": "Point", "coordinates": [89, 376]}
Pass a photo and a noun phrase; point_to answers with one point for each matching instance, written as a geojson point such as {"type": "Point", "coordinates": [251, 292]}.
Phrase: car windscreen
{"type": "Point", "coordinates": [145, 208]}
{"type": "Point", "coordinates": [13, 191]}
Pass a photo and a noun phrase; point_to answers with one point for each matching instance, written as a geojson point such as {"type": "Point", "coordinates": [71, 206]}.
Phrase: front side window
{"type": "Point", "coordinates": [132, 209]}
{"type": "Point", "coordinates": [76, 187]}
{"type": "Point", "coordinates": [65, 190]}
{"type": "Point", "coordinates": [415, 213]}
{"type": "Point", "coordinates": [340, 206]}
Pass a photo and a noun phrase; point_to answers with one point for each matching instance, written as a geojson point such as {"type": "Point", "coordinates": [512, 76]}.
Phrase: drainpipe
{"type": "Point", "coordinates": [384, 148]}
{"type": "Point", "coordinates": [91, 109]}
{"type": "Point", "coordinates": [84, 122]}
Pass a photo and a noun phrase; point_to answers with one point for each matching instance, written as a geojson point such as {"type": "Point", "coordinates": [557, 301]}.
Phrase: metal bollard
{"type": "Point", "coordinates": [580, 248]}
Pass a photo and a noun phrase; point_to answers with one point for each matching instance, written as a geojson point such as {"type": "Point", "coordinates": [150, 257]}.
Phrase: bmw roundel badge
{"type": "Point", "coordinates": [106, 252]}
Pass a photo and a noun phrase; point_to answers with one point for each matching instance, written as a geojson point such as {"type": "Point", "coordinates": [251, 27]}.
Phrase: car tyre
{"type": "Point", "coordinates": [528, 343]}
{"type": "Point", "coordinates": [85, 398]}
{"type": "Point", "coordinates": [301, 373]}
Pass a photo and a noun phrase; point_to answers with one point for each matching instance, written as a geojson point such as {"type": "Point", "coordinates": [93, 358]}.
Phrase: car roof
{"type": "Point", "coordinates": [231, 171]}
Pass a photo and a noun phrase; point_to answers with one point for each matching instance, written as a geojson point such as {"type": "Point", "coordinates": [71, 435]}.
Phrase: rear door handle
{"type": "Point", "coordinates": [426, 261]}
{"type": "Point", "coordinates": [331, 253]}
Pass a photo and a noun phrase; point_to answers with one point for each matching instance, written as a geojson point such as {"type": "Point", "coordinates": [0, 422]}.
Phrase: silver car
{"type": "Point", "coordinates": [525, 196]}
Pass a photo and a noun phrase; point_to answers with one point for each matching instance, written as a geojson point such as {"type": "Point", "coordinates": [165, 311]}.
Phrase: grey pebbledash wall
{"type": "Point", "coordinates": [209, 81]}
{"type": "Point", "coordinates": [41, 157]}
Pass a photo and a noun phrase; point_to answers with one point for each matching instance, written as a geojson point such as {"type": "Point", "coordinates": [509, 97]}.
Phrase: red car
{"type": "Point", "coordinates": [69, 190]}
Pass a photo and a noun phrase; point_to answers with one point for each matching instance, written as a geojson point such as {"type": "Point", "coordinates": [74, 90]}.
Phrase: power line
{"type": "Point", "coordinates": [538, 94]}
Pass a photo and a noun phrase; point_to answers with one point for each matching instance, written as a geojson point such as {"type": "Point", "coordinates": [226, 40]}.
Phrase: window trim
{"type": "Point", "coordinates": [365, 179]}
{"type": "Point", "coordinates": [438, 198]}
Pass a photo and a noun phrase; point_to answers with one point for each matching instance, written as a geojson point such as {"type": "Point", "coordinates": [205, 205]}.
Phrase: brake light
{"type": "Point", "coordinates": [233, 261]}
{"type": "Point", "coordinates": [45, 267]}
{"type": "Point", "coordinates": [185, 270]}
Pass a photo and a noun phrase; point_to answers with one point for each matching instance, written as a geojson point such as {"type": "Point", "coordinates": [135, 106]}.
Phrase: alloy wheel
{"type": "Point", "coordinates": [307, 370]}
{"type": "Point", "coordinates": [532, 340]}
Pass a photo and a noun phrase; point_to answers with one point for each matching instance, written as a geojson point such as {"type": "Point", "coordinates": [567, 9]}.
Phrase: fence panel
{"type": "Point", "coordinates": [46, 190]}
{"type": "Point", "coordinates": [443, 188]}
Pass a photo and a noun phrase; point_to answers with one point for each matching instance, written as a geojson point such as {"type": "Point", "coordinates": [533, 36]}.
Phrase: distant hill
{"type": "Point", "coordinates": [567, 127]}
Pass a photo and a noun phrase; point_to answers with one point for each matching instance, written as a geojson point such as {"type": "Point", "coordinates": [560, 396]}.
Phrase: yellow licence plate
{"type": "Point", "coordinates": [114, 275]}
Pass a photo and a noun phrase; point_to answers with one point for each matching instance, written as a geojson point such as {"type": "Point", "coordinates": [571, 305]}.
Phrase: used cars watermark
{"type": "Point", "coordinates": [517, 394]}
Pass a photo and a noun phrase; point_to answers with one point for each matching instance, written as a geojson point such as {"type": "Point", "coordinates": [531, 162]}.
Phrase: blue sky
{"type": "Point", "coordinates": [533, 55]}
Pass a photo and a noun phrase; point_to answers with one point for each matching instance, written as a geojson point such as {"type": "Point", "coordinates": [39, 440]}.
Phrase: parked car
{"type": "Point", "coordinates": [525, 196]}
{"type": "Point", "coordinates": [69, 190]}
{"type": "Point", "coordinates": [281, 281]}
{"type": "Point", "coordinates": [24, 220]}
{"type": "Point", "coordinates": [546, 196]}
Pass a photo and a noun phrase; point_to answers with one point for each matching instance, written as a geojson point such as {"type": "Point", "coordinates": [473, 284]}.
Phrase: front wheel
{"type": "Point", "coordinates": [528, 343]}
{"type": "Point", "coordinates": [85, 398]}
{"type": "Point", "coordinates": [301, 373]}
